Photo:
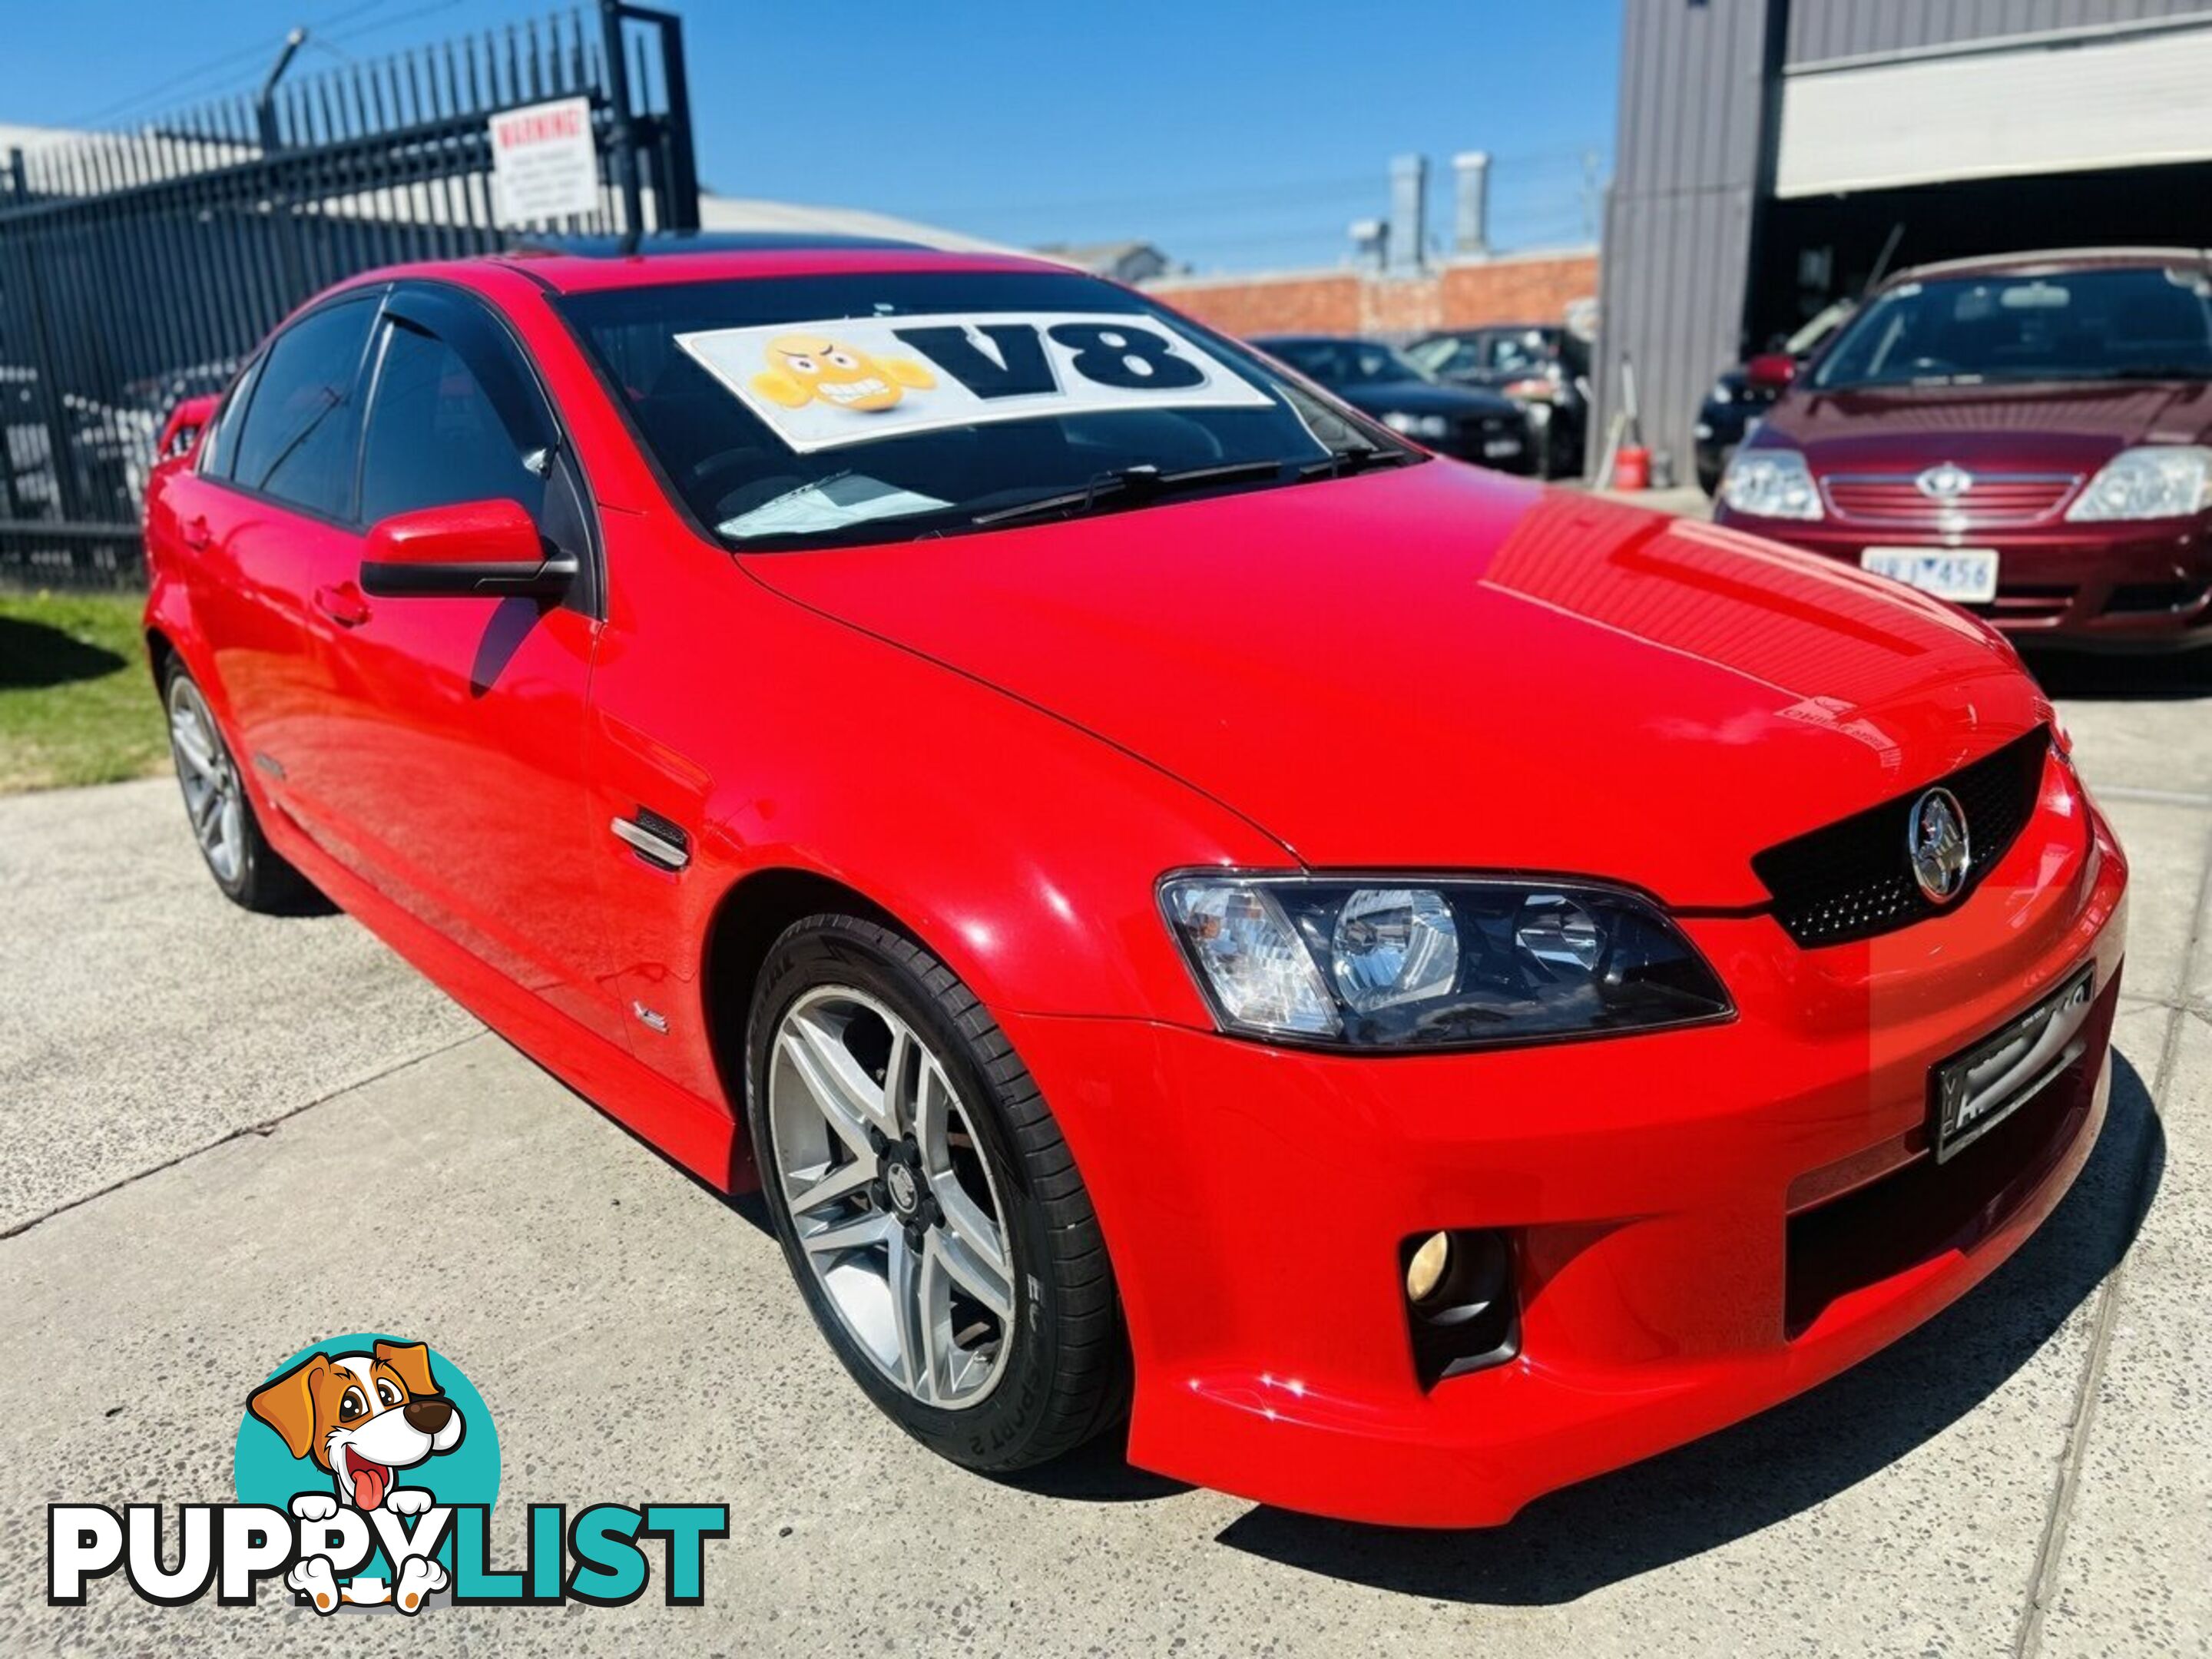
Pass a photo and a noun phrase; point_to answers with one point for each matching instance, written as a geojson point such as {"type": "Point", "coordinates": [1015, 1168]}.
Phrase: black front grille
{"type": "Point", "coordinates": [1470, 435]}
{"type": "Point", "coordinates": [1854, 879]}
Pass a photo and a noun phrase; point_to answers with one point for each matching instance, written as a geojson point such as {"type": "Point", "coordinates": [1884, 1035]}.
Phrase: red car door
{"type": "Point", "coordinates": [441, 751]}
{"type": "Point", "coordinates": [271, 494]}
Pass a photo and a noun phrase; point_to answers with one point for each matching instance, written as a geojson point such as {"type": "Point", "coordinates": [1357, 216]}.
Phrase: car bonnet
{"type": "Point", "coordinates": [1438, 668]}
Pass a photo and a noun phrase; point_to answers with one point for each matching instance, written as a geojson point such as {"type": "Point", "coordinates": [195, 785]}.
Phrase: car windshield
{"type": "Point", "coordinates": [2114, 323]}
{"type": "Point", "coordinates": [1529, 350]}
{"type": "Point", "coordinates": [1346, 363]}
{"type": "Point", "coordinates": [825, 410]}
{"type": "Point", "coordinates": [1447, 354]}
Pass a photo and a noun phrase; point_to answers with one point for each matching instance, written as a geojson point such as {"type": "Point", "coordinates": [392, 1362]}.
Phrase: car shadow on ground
{"type": "Point", "coordinates": [33, 655]}
{"type": "Point", "coordinates": [1744, 1479]}
{"type": "Point", "coordinates": [1097, 1473]}
{"type": "Point", "coordinates": [2123, 679]}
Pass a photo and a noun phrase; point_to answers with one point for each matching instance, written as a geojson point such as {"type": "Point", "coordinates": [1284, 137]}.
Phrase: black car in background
{"type": "Point", "coordinates": [1541, 367]}
{"type": "Point", "coordinates": [1741, 396]}
{"type": "Point", "coordinates": [1374, 379]}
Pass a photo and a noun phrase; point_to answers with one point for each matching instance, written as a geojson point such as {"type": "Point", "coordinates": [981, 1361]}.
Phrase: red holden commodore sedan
{"type": "Point", "coordinates": [2030, 437]}
{"type": "Point", "coordinates": [1407, 988]}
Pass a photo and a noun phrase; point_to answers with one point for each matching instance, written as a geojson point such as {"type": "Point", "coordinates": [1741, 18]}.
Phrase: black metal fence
{"type": "Point", "coordinates": [137, 269]}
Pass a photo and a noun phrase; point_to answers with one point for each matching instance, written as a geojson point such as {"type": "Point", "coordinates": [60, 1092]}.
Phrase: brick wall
{"type": "Point", "coordinates": [1533, 288]}
{"type": "Point", "coordinates": [1303, 304]}
{"type": "Point", "coordinates": [1537, 289]}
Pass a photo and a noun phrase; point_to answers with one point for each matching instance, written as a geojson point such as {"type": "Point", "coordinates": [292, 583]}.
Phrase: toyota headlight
{"type": "Point", "coordinates": [1417, 426]}
{"type": "Point", "coordinates": [1771, 483]}
{"type": "Point", "coordinates": [1423, 964]}
{"type": "Point", "coordinates": [2160, 480]}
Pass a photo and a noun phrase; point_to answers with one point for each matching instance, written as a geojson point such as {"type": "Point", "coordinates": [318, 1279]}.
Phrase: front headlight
{"type": "Point", "coordinates": [1417, 426]}
{"type": "Point", "coordinates": [1771, 483]}
{"type": "Point", "coordinates": [2161, 481]}
{"type": "Point", "coordinates": [1423, 964]}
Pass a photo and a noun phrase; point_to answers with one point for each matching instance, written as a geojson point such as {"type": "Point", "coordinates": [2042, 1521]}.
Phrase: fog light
{"type": "Point", "coordinates": [1426, 1270]}
{"type": "Point", "coordinates": [1462, 1311]}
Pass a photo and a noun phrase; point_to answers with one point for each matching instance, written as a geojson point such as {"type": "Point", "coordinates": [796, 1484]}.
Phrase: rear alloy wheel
{"type": "Point", "coordinates": [250, 871]}
{"type": "Point", "coordinates": [926, 1201]}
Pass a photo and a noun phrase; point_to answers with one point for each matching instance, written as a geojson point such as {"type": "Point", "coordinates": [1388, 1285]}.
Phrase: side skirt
{"type": "Point", "coordinates": [698, 1135]}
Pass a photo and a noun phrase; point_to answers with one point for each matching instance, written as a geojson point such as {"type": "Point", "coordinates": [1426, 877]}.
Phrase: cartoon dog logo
{"type": "Point", "coordinates": [804, 368]}
{"type": "Point", "coordinates": [361, 1418]}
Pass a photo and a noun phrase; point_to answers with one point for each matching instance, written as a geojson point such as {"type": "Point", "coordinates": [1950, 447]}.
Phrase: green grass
{"type": "Point", "coordinates": [77, 703]}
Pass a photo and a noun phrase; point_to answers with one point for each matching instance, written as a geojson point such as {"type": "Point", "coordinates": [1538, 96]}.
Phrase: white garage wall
{"type": "Point", "coordinates": [2055, 106]}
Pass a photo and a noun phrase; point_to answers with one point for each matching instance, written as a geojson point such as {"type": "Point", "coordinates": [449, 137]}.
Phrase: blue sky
{"type": "Point", "coordinates": [1242, 136]}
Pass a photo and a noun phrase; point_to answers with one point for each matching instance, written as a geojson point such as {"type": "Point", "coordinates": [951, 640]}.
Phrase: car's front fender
{"type": "Point", "coordinates": [1020, 850]}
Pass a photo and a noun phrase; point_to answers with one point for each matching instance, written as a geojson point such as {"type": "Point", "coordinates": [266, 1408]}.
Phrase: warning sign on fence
{"type": "Point", "coordinates": [544, 162]}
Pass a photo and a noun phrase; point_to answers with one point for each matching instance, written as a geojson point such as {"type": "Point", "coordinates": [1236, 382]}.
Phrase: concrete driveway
{"type": "Point", "coordinates": [224, 1136]}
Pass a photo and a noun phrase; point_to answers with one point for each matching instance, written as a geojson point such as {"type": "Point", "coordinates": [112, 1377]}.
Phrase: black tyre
{"type": "Point", "coordinates": [926, 1202]}
{"type": "Point", "coordinates": [1711, 464]}
{"type": "Point", "coordinates": [249, 871]}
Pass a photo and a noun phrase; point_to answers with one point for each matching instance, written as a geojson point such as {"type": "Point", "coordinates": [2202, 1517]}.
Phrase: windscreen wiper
{"type": "Point", "coordinates": [1341, 463]}
{"type": "Point", "coordinates": [2157, 372]}
{"type": "Point", "coordinates": [1121, 483]}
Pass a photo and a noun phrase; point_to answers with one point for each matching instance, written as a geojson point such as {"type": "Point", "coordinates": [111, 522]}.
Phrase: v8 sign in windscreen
{"type": "Point", "coordinates": [846, 381]}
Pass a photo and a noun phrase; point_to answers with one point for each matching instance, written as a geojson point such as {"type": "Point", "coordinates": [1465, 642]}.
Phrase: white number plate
{"type": "Point", "coordinates": [1968, 574]}
{"type": "Point", "coordinates": [1496, 448]}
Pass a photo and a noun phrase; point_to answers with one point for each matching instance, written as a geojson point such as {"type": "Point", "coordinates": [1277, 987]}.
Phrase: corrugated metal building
{"type": "Point", "coordinates": [1769, 152]}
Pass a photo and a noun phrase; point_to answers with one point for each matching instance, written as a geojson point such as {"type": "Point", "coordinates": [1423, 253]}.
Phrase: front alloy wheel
{"type": "Point", "coordinates": [926, 1202]}
{"type": "Point", "coordinates": [891, 1202]}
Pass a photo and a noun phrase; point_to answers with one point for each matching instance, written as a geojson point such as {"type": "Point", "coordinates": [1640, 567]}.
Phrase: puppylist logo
{"type": "Point", "coordinates": [366, 1471]}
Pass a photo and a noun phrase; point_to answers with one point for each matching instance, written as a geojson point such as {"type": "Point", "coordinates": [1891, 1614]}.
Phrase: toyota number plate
{"type": "Point", "coordinates": [1967, 576]}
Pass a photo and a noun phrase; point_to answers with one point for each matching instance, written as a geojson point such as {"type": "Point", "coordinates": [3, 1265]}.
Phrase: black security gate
{"type": "Point", "coordinates": [139, 269]}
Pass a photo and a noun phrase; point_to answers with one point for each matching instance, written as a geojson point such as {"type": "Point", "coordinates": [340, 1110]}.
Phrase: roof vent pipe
{"type": "Point", "coordinates": [1409, 224]}
{"type": "Point", "coordinates": [1470, 196]}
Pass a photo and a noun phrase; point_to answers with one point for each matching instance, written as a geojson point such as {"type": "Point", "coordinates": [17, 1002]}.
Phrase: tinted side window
{"type": "Point", "coordinates": [303, 423]}
{"type": "Point", "coordinates": [1511, 354]}
{"type": "Point", "coordinates": [435, 436]}
{"type": "Point", "coordinates": [220, 448]}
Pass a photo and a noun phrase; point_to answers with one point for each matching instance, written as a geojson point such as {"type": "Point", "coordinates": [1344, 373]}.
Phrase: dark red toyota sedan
{"type": "Point", "coordinates": [2024, 436]}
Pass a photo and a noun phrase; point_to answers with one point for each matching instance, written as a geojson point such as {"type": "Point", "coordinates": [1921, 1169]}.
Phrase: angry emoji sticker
{"type": "Point", "coordinates": [804, 368]}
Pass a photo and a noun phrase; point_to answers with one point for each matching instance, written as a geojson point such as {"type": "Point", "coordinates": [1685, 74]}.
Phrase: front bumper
{"type": "Point", "coordinates": [2086, 586]}
{"type": "Point", "coordinates": [1669, 1197]}
{"type": "Point", "coordinates": [1475, 438]}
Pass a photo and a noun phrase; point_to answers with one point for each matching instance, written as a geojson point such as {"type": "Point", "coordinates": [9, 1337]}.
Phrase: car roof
{"type": "Point", "coordinates": [2052, 262]}
{"type": "Point", "coordinates": [1314, 339]}
{"type": "Point", "coordinates": [596, 264]}
{"type": "Point", "coordinates": [660, 245]}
